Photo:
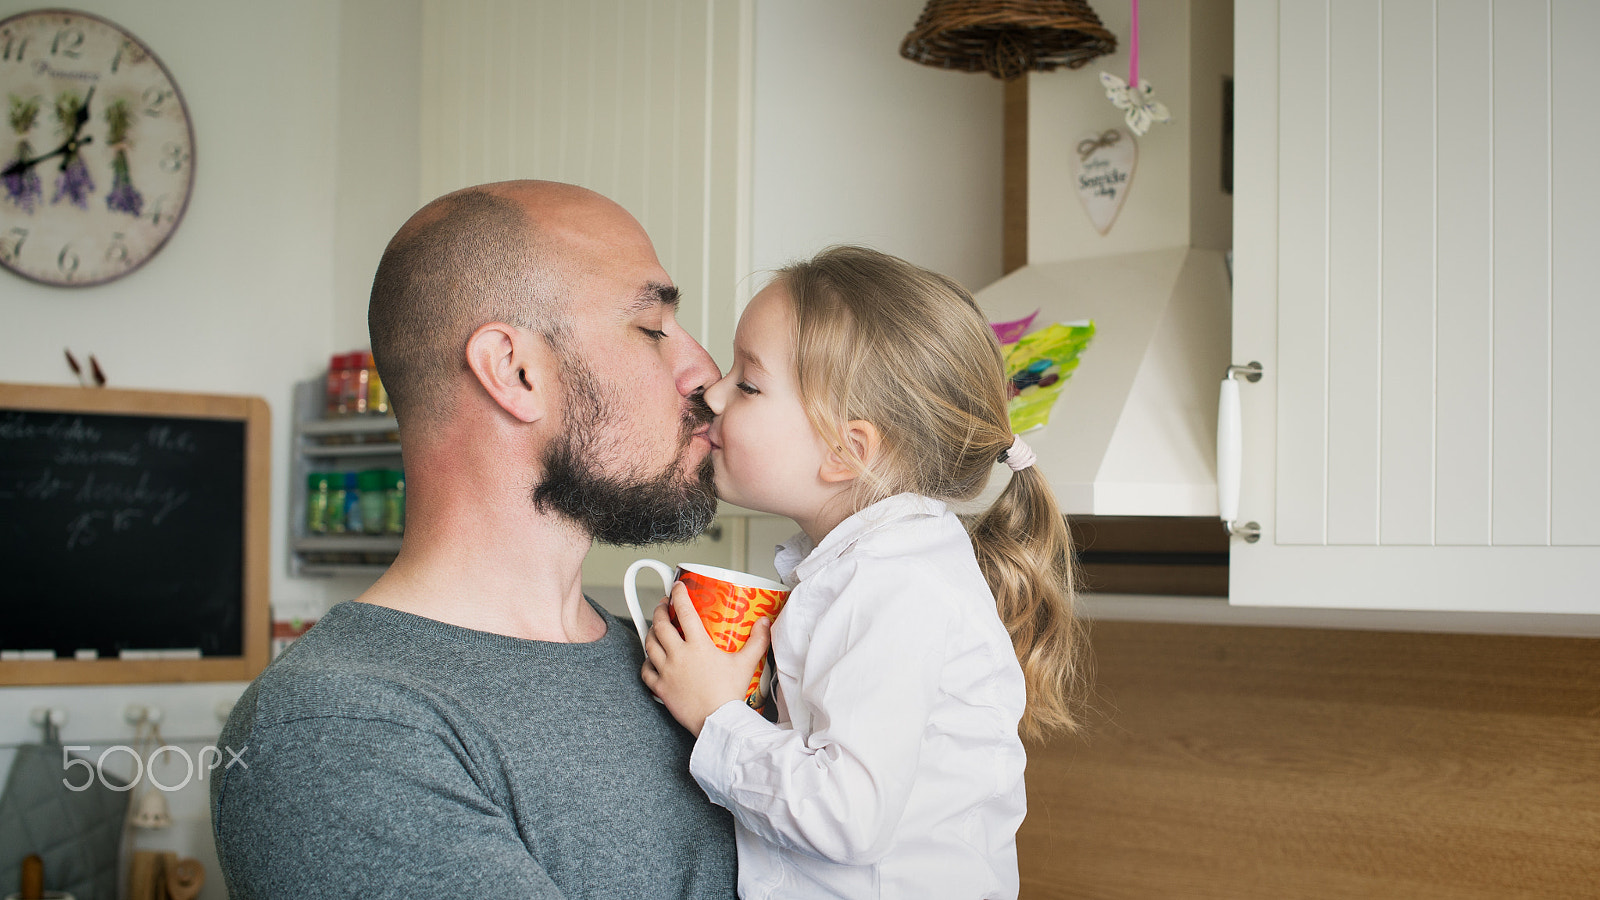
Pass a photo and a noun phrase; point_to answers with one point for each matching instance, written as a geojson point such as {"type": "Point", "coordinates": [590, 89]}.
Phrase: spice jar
{"type": "Point", "coordinates": [336, 505]}
{"type": "Point", "coordinates": [352, 504]}
{"type": "Point", "coordinates": [317, 495]}
{"type": "Point", "coordinates": [394, 490]}
{"type": "Point", "coordinates": [355, 384]}
{"type": "Point", "coordinates": [377, 396]}
{"type": "Point", "coordinates": [373, 501]}
{"type": "Point", "coordinates": [333, 404]}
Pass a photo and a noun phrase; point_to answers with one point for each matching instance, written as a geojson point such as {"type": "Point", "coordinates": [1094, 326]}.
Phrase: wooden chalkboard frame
{"type": "Point", "coordinates": [257, 419]}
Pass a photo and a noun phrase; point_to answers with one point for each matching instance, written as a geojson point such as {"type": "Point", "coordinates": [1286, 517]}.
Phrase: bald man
{"type": "Point", "coordinates": [473, 725]}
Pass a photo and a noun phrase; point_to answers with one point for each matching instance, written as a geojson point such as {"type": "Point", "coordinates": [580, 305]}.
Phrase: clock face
{"type": "Point", "coordinates": [95, 145]}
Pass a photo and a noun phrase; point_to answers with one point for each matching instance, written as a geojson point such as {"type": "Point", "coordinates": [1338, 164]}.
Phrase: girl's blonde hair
{"type": "Point", "coordinates": [908, 350]}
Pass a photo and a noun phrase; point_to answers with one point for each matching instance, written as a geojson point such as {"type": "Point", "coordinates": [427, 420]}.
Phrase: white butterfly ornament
{"type": "Point", "coordinates": [1138, 104]}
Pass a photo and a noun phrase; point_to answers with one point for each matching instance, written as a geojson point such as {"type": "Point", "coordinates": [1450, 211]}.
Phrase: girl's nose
{"type": "Point", "coordinates": [717, 394]}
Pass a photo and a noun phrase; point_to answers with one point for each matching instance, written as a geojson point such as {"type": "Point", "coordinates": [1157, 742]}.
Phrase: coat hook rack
{"type": "Point", "coordinates": [139, 714]}
{"type": "Point", "coordinates": [50, 720]}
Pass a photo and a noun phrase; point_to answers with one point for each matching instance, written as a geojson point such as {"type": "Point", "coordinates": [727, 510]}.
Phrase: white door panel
{"type": "Point", "coordinates": [1414, 237]}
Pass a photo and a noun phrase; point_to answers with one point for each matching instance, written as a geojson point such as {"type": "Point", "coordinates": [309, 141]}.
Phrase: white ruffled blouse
{"type": "Point", "coordinates": [894, 770]}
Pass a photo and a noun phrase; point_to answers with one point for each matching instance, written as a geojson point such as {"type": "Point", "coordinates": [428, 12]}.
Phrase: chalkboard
{"type": "Point", "coordinates": [131, 545]}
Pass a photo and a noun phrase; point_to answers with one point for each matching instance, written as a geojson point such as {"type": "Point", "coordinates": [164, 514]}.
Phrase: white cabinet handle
{"type": "Point", "coordinates": [1230, 451]}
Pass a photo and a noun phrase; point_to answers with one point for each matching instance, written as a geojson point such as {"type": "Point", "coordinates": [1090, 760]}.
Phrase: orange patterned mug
{"type": "Point", "coordinates": [729, 603]}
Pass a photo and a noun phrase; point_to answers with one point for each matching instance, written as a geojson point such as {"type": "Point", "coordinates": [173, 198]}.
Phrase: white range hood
{"type": "Point", "coordinates": [1134, 432]}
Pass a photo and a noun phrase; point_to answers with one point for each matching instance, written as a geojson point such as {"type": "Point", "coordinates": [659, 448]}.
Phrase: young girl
{"type": "Point", "coordinates": [865, 394]}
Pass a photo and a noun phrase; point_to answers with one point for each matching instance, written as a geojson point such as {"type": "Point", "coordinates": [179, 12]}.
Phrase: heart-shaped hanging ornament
{"type": "Point", "coordinates": [1102, 170]}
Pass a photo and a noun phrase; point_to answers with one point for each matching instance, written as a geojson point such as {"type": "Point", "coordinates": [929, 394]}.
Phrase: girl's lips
{"type": "Point", "coordinates": [704, 432]}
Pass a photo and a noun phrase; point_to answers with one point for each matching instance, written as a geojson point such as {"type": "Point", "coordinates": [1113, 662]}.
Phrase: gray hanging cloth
{"type": "Point", "coordinates": [76, 832]}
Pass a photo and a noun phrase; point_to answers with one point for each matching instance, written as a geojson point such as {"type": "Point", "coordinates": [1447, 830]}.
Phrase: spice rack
{"type": "Point", "coordinates": [369, 442]}
{"type": "Point", "coordinates": [336, 445]}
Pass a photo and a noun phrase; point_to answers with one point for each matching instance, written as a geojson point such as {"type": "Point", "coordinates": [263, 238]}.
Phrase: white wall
{"type": "Point", "coordinates": [298, 185]}
{"type": "Point", "coordinates": [380, 78]}
{"type": "Point", "coordinates": [1176, 198]}
{"type": "Point", "coordinates": [854, 144]}
{"type": "Point", "coordinates": [241, 300]}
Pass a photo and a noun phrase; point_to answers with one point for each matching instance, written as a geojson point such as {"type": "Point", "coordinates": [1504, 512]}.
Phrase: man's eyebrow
{"type": "Point", "coordinates": [655, 294]}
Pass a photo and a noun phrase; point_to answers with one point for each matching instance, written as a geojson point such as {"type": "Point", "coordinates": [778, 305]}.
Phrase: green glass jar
{"type": "Point", "coordinates": [394, 497]}
{"type": "Point", "coordinates": [336, 505]}
{"type": "Point", "coordinates": [373, 500]}
{"type": "Point", "coordinates": [317, 503]}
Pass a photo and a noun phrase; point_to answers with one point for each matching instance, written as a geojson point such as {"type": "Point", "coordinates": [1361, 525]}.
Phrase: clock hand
{"type": "Point", "coordinates": [79, 119]}
{"type": "Point", "coordinates": [82, 115]}
{"type": "Point", "coordinates": [23, 165]}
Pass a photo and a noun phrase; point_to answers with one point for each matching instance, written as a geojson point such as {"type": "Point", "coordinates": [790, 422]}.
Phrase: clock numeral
{"type": "Point", "coordinates": [117, 252]}
{"type": "Point", "coordinates": [12, 249]}
{"type": "Point", "coordinates": [173, 157]}
{"type": "Point", "coordinates": [158, 210]}
{"type": "Point", "coordinates": [67, 260]}
{"type": "Point", "coordinates": [155, 100]}
{"type": "Point", "coordinates": [68, 43]}
{"type": "Point", "coordinates": [15, 49]}
{"type": "Point", "coordinates": [117, 60]}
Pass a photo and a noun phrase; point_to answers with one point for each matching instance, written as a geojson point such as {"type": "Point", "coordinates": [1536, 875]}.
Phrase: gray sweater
{"type": "Point", "coordinates": [390, 755]}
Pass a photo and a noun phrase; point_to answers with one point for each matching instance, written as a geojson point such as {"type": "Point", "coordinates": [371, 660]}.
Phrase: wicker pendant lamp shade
{"type": "Point", "coordinates": [1007, 38]}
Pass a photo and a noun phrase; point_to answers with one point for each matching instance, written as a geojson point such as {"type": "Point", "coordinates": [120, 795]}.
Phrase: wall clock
{"type": "Point", "coordinates": [96, 145]}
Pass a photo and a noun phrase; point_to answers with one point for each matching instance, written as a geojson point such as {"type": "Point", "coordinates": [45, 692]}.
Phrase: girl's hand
{"type": "Point", "coordinates": [690, 674]}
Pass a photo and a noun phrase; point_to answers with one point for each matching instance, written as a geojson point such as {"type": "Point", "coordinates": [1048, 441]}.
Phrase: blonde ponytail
{"type": "Point", "coordinates": [1025, 552]}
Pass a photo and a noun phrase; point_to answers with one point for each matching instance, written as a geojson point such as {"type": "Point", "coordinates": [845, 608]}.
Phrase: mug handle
{"type": "Point", "coordinates": [640, 623]}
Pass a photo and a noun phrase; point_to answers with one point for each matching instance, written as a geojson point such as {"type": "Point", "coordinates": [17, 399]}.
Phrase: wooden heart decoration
{"type": "Point", "coordinates": [1102, 170]}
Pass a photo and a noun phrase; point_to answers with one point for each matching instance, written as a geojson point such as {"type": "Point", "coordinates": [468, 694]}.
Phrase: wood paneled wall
{"type": "Point", "coordinates": [646, 102]}
{"type": "Point", "coordinates": [1232, 763]}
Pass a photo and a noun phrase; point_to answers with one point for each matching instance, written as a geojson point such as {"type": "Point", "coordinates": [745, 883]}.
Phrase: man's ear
{"type": "Point", "coordinates": [861, 439]}
{"type": "Point", "coordinates": [510, 365]}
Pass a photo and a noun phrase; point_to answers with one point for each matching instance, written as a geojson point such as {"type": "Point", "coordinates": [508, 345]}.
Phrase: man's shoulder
{"type": "Point", "coordinates": [316, 685]}
{"type": "Point", "coordinates": [330, 673]}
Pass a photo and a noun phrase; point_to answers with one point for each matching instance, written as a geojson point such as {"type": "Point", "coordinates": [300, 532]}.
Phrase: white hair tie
{"type": "Point", "coordinates": [1020, 456]}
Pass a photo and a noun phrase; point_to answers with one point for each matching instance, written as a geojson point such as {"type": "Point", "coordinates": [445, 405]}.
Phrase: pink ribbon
{"type": "Point", "coordinates": [1133, 49]}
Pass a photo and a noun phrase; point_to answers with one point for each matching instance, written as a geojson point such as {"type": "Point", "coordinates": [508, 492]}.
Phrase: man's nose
{"type": "Point", "coordinates": [696, 370]}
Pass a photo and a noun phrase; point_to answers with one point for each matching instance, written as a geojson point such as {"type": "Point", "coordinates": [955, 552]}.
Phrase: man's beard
{"type": "Point", "coordinates": [671, 507]}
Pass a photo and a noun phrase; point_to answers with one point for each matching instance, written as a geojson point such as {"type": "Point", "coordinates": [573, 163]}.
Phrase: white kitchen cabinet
{"type": "Point", "coordinates": [1415, 231]}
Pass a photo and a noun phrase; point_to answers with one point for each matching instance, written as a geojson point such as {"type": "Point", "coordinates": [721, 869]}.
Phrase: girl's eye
{"type": "Point", "coordinates": [654, 334]}
{"type": "Point", "coordinates": [747, 387]}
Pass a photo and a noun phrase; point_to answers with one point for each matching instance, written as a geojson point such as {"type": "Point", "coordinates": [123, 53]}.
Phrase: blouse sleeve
{"type": "Point", "coordinates": [871, 679]}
